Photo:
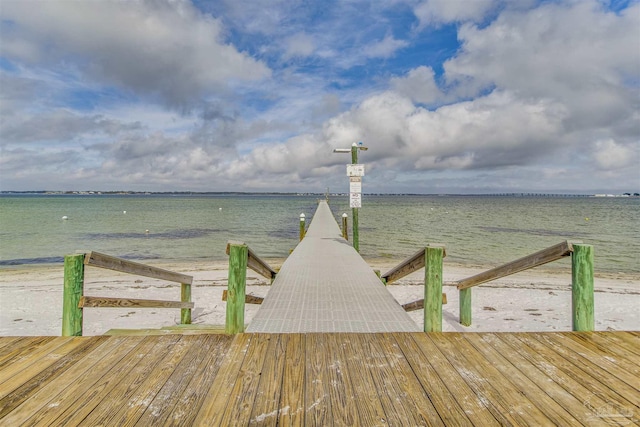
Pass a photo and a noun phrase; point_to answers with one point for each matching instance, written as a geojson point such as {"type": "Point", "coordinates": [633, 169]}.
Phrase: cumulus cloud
{"type": "Point", "coordinates": [419, 84]}
{"type": "Point", "coordinates": [445, 11]}
{"type": "Point", "coordinates": [163, 48]}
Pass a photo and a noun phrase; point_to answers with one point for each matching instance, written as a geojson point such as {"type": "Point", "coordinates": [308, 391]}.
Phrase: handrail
{"type": "Point", "coordinates": [74, 300]}
{"type": "Point", "coordinates": [98, 259]}
{"type": "Point", "coordinates": [410, 265]}
{"type": "Point", "coordinates": [545, 256]}
{"type": "Point", "coordinates": [254, 262]}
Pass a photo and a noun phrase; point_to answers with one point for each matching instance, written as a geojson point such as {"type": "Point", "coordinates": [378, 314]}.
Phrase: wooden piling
{"type": "Point", "coordinates": [72, 293]}
{"type": "Point", "coordinates": [185, 296]}
{"type": "Point", "coordinates": [345, 231]}
{"type": "Point", "coordinates": [302, 230]}
{"type": "Point", "coordinates": [582, 288]}
{"type": "Point", "coordinates": [433, 289]}
{"type": "Point", "coordinates": [238, 255]}
{"type": "Point", "coordinates": [465, 306]}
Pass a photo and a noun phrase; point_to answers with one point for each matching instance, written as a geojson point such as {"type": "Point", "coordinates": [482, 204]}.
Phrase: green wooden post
{"type": "Point", "coordinates": [345, 233]}
{"type": "Point", "coordinates": [238, 255]}
{"type": "Point", "coordinates": [582, 288]}
{"type": "Point", "coordinates": [185, 296]}
{"type": "Point", "coordinates": [465, 306]}
{"type": "Point", "coordinates": [433, 289]}
{"type": "Point", "coordinates": [73, 291]}
{"type": "Point", "coordinates": [302, 232]}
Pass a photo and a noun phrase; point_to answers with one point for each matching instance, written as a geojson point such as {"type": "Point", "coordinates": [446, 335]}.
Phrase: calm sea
{"type": "Point", "coordinates": [481, 230]}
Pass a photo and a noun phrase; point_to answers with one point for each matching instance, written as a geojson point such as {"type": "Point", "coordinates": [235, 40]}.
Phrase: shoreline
{"type": "Point", "coordinates": [533, 300]}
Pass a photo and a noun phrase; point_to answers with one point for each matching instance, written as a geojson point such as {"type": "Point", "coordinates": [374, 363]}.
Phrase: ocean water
{"type": "Point", "coordinates": [478, 230]}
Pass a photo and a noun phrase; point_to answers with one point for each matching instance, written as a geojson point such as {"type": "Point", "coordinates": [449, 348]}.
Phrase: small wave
{"type": "Point", "coordinates": [23, 261]}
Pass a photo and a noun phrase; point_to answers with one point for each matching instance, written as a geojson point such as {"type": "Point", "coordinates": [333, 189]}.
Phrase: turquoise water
{"type": "Point", "coordinates": [483, 230]}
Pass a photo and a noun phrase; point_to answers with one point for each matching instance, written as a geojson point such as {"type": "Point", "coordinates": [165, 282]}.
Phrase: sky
{"type": "Point", "coordinates": [449, 96]}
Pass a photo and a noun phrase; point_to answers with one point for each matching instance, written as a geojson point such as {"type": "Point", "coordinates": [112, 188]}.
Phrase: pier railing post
{"type": "Point", "coordinates": [345, 232]}
{"type": "Point", "coordinates": [238, 255]}
{"type": "Point", "coordinates": [582, 288]}
{"type": "Point", "coordinates": [302, 231]}
{"type": "Point", "coordinates": [185, 296]}
{"type": "Point", "coordinates": [72, 292]}
{"type": "Point", "coordinates": [465, 306]}
{"type": "Point", "coordinates": [433, 289]}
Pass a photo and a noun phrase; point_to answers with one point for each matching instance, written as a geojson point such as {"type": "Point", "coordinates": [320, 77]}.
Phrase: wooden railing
{"type": "Point", "coordinates": [581, 282]}
{"type": "Point", "coordinates": [431, 259]}
{"type": "Point", "coordinates": [241, 258]}
{"type": "Point", "coordinates": [74, 300]}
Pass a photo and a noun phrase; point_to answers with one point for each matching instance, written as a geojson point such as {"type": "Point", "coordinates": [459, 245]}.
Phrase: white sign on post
{"type": "Point", "coordinates": [355, 184]}
{"type": "Point", "coordinates": [355, 200]}
{"type": "Point", "coordinates": [355, 170]}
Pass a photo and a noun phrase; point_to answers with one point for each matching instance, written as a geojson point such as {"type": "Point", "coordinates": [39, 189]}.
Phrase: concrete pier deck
{"type": "Point", "coordinates": [326, 286]}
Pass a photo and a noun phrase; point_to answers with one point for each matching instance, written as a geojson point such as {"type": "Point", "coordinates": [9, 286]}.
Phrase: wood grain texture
{"type": "Point", "coordinates": [106, 302]}
{"type": "Point", "coordinates": [109, 262]}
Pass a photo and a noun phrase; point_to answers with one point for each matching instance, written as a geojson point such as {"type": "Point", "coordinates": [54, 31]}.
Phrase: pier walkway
{"type": "Point", "coordinates": [391, 379]}
{"type": "Point", "coordinates": [326, 286]}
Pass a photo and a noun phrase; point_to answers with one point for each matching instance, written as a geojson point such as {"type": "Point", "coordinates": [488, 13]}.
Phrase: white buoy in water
{"type": "Point", "coordinates": [219, 209]}
{"type": "Point", "coordinates": [124, 212]}
{"type": "Point", "coordinates": [146, 231]}
{"type": "Point", "coordinates": [65, 217]}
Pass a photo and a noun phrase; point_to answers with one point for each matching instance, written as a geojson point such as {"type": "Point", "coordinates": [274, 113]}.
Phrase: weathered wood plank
{"type": "Point", "coordinates": [159, 410]}
{"type": "Point", "coordinates": [317, 383]}
{"type": "Point", "coordinates": [410, 265]}
{"type": "Point", "coordinates": [246, 385]}
{"type": "Point", "coordinates": [370, 410]}
{"type": "Point", "coordinates": [344, 407]}
{"type": "Point", "coordinates": [579, 383]}
{"type": "Point", "coordinates": [18, 364]}
{"type": "Point", "coordinates": [140, 386]}
{"type": "Point", "coordinates": [293, 391]}
{"type": "Point", "coordinates": [64, 389]}
{"type": "Point", "coordinates": [436, 389]}
{"type": "Point", "coordinates": [417, 402]}
{"type": "Point", "coordinates": [266, 405]}
{"type": "Point", "coordinates": [106, 302]}
{"type": "Point", "coordinates": [29, 386]}
{"type": "Point", "coordinates": [519, 384]}
{"type": "Point", "coordinates": [186, 409]}
{"type": "Point", "coordinates": [254, 262]}
{"type": "Point", "coordinates": [219, 392]}
{"type": "Point", "coordinates": [248, 299]}
{"type": "Point", "coordinates": [487, 382]}
{"type": "Point", "coordinates": [477, 406]}
{"type": "Point", "coordinates": [597, 342]}
{"type": "Point", "coordinates": [23, 347]}
{"type": "Point", "coordinates": [526, 363]}
{"type": "Point", "coordinates": [537, 259]}
{"type": "Point", "coordinates": [594, 367]}
{"type": "Point", "coordinates": [109, 262]}
{"type": "Point", "coordinates": [419, 304]}
{"type": "Point", "coordinates": [110, 384]}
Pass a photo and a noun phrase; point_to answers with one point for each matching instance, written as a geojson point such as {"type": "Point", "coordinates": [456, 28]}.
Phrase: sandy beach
{"type": "Point", "coordinates": [536, 300]}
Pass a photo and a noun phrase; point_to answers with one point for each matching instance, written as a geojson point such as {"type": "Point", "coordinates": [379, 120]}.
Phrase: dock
{"type": "Point", "coordinates": [328, 346]}
{"type": "Point", "coordinates": [322, 379]}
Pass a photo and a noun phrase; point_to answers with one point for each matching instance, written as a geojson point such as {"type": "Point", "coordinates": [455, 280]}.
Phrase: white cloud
{"type": "Point", "coordinates": [165, 48]}
{"type": "Point", "coordinates": [445, 11]}
{"type": "Point", "coordinates": [610, 155]}
{"type": "Point", "coordinates": [385, 48]}
{"type": "Point", "coordinates": [419, 85]}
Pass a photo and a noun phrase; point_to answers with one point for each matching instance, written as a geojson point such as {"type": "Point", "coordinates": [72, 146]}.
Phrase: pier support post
{"type": "Point", "coordinates": [582, 288]}
{"type": "Point", "coordinates": [72, 292]}
{"type": "Point", "coordinates": [433, 289]}
{"type": "Point", "coordinates": [345, 232]}
{"type": "Point", "coordinates": [238, 255]}
{"type": "Point", "coordinates": [465, 306]}
{"type": "Point", "coordinates": [185, 296]}
{"type": "Point", "coordinates": [302, 231]}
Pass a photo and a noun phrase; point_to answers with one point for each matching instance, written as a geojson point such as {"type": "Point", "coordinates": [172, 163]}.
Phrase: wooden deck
{"type": "Point", "coordinates": [322, 379]}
